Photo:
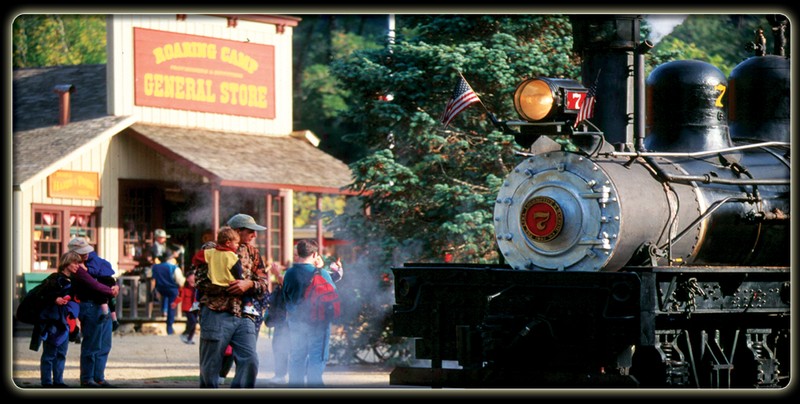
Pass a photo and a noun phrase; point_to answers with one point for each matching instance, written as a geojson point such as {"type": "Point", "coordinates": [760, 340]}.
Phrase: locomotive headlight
{"type": "Point", "coordinates": [543, 98]}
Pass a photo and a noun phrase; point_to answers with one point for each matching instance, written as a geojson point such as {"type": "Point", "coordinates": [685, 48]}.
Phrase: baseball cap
{"type": "Point", "coordinates": [241, 220]}
{"type": "Point", "coordinates": [80, 246]}
{"type": "Point", "coordinates": [161, 233]}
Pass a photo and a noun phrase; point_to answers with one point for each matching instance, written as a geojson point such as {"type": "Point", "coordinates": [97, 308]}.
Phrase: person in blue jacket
{"type": "Point", "coordinates": [308, 350]}
{"type": "Point", "coordinates": [169, 278]}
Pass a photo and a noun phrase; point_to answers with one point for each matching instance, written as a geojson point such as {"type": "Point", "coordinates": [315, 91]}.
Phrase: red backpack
{"type": "Point", "coordinates": [322, 299]}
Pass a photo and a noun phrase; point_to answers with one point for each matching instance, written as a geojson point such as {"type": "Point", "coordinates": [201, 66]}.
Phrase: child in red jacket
{"type": "Point", "coordinates": [186, 298]}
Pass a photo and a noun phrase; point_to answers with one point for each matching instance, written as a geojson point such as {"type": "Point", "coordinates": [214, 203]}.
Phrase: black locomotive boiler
{"type": "Point", "coordinates": [650, 252]}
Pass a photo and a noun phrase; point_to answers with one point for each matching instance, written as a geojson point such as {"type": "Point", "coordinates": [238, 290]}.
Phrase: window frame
{"type": "Point", "coordinates": [64, 232]}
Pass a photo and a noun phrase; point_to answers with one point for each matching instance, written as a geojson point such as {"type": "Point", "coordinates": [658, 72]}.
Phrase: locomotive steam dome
{"type": "Point", "coordinates": [759, 99]}
{"type": "Point", "coordinates": [686, 107]}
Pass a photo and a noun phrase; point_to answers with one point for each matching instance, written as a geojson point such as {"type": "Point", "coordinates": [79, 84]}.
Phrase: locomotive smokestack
{"type": "Point", "coordinates": [608, 43]}
{"type": "Point", "coordinates": [63, 91]}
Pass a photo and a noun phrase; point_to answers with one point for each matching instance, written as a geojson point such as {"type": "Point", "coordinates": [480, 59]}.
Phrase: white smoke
{"type": "Point", "coordinates": [662, 25]}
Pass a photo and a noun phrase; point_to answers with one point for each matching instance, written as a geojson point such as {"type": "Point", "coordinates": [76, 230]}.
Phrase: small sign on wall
{"type": "Point", "coordinates": [74, 184]}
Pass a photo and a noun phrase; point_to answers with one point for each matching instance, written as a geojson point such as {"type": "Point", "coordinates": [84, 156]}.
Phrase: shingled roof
{"type": "Point", "coordinates": [39, 143]}
{"type": "Point", "coordinates": [39, 151]}
{"type": "Point", "coordinates": [35, 104]}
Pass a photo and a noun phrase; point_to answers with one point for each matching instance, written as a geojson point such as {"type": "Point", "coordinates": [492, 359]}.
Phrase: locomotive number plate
{"type": "Point", "coordinates": [542, 218]}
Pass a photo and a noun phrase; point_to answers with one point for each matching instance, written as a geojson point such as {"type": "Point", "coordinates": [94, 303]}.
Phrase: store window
{"type": "Point", "coordinates": [54, 227]}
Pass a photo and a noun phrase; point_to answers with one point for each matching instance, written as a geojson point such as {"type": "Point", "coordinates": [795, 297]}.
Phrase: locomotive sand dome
{"type": "Point", "coordinates": [759, 107]}
{"type": "Point", "coordinates": [686, 111]}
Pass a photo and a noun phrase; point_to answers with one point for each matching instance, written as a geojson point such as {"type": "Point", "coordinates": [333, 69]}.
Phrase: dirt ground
{"type": "Point", "coordinates": [150, 359]}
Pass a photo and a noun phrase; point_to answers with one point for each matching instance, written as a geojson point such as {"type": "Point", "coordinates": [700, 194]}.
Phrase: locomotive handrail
{"type": "Point", "coordinates": [716, 205]}
{"type": "Point", "coordinates": [694, 154]}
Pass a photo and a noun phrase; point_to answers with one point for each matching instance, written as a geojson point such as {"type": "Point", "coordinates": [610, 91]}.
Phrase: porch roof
{"type": "Point", "coordinates": [246, 160]}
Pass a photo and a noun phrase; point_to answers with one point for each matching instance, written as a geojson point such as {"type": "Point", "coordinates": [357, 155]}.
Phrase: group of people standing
{"type": "Point", "coordinates": [234, 288]}
{"type": "Point", "coordinates": [234, 292]}
{"type": "Point", "coordinates": [76, 293]}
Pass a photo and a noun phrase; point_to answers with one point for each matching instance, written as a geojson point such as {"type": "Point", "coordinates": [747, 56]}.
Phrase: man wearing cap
{"type": "Point", "coordinates": [221, 319]}
{"type": "Point", "coordinates": [159, 246]}
{"type": "Point", "coordinates": [96, 326]}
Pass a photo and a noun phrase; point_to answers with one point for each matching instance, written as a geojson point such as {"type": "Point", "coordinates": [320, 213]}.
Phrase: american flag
{"type": "Point", "coordinates": [463, 96]}
{"type": "Point", "coordinates": [587, 108]}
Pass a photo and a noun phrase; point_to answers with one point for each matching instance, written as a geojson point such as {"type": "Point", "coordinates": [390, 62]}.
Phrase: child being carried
{"type": "Point", "coordinates": [224, 265]}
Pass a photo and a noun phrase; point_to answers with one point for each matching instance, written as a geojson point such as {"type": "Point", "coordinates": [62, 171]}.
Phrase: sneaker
{"type": "Point", "coordinates": [221, 381]}
{"type": "Point", "coordinates": [195, 306]}
{"type": "Point", "coordinates": [185, 339]}
{"type": "Point", "coordinates": [277, 380]}
{"type": "Point", "coordinates": [250, 310]}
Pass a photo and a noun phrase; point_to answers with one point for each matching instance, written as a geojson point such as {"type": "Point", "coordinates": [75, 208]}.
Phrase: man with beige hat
{"type": "Point", "coordinates": [159, 246]}
{"type": "Point", "coordinates": [221, 319]}
{"type": "Point", "coordinates": [96, 324]}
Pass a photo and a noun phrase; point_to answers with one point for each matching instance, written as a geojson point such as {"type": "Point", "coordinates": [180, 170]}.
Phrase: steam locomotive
{"type": "Point", "coordinates": [645, 247]}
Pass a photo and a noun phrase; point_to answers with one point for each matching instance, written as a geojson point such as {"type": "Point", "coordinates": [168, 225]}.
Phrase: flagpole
{"type": "Point", "coordinates": [497, 124]}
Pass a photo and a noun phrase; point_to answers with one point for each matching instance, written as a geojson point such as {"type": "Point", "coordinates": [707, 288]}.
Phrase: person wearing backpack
{"type": "Point", "coordinates": [57, 320]}
{"type": "Point", "coordinates": [309, 333]}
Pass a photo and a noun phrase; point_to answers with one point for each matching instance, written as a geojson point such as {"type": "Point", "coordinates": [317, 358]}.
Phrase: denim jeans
{"type": "Point", "coordinates": [51, 366]}
{"type": "Point", "coordinates": [217, 331]}
{"type": "Point", "coordinates": [168, 296]}
{"type": "Point", "coordinates": [308, 353]}
{"type": "Point", "coordinates": [96, 344]}
{"type": "Point", "coordinates": [191, 324]}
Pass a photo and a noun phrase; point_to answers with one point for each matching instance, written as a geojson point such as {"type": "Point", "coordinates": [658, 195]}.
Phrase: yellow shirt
{"type": "Point", "coordinates": [219, 266]}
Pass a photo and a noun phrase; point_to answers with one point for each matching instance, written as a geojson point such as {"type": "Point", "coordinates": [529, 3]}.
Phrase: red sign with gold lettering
{"type": "Point", "coordinates": [204, 74]}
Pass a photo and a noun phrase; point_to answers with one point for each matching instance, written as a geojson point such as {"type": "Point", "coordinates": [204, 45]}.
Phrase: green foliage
{"type": "Point", "coordinates": [54, 40]}
{"type": "Point", "coordinates": [318, 99]}
{"type": "Point", "coordinates": [306, 212]}
{"type": "Point", "coordinates": [680, 50]}
{"type": "Point", "coordinates": [717, 39]}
